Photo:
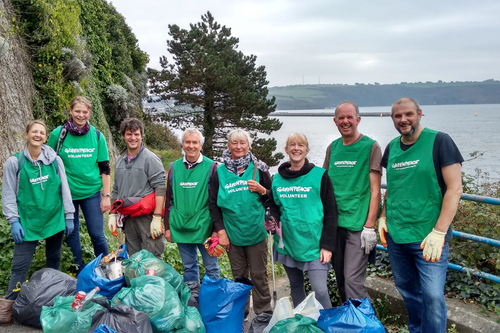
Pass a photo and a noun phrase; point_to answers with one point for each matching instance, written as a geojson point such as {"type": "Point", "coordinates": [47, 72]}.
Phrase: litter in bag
{"type": "Point", "coordinates": [356, 316]}
{"type": "Point", "coordinates": [121, 318]}
{"type": "Point", "coordinates": [222, 305]}
{"type": "Point", "coordinates": [104, 329]}
{"type": "Point", "coordinates": [61, 317]}
{"type": "Point", "coordinates": [88, 279]}
{"type": "Point", "coordinates": [309, 307]}
{"type": "Point", "coordinates": [155, 297]}
{"type": "Point", "coordinates": [193, 323]}
{"type": "Point", "coordinates": [297, 324]}
{"type": "Point", "coordinates": [40, 291]}
{"type": "Point", "coordinates": [139, 263]}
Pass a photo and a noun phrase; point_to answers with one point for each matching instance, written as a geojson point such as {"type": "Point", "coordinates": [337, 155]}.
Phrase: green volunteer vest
{"type": "Point", "coordinates": [41, 211]}
{"type": "Point", "coordinates": [242, 210]}
{"type": "Point", "coordinates": [80, 155]}
{"type": "Point", "coordinates": [189, 219]}
{"type": "Point", "coordinates": [349, 171]}
{"type": "Point", "coordinates": [302, 214]}
{"type": "Point", "coordinates": [413, 194]}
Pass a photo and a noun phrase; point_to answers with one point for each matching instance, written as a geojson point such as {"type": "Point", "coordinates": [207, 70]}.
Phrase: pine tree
{"type": "Point", "coordinates": [216, 88]}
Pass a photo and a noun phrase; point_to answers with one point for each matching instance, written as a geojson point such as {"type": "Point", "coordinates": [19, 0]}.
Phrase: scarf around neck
{"type": "Point", "coordinates": [73, 129]}
{"type": "Point", "coordinates": [234, 166]}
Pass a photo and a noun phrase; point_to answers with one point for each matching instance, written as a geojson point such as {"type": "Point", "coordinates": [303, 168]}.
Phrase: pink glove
{"type": "Point", "coordinates": [270, 225]}
{"type": "Point", "coordinates": [213, 247]}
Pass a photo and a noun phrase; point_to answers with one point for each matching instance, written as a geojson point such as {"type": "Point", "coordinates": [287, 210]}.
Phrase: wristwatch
{"type": "Point", "coordinates": [106, 195]}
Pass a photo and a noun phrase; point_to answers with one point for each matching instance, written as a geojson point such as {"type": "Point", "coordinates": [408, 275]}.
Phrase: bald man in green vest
{"type": "Point", "coordinates": [353, 164]}
{"type": "Point", "coordinates": [424, 185]}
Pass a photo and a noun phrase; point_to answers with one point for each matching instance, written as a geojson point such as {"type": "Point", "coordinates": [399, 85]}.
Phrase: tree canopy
{"type": "Point", "coordinates": [212, 85]}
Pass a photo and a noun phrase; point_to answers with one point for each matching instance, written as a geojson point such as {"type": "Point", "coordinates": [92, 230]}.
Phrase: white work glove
{"type": "Point", "coordinates": [368, 239]}
{"type": "Point", "coordinates": [156, 227]}
{"type": "Point", "coordinates": [433, 245]}
{"type": "Point", "coordinates": [112, 225]}
{"type": "Point", "coordinates": [382, 230]}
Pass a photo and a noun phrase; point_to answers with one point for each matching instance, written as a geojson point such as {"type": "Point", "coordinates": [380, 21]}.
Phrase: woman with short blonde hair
{"type": "Point", "coordinates": [303, 202]}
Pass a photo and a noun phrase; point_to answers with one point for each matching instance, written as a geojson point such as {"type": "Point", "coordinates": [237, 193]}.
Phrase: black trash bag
{"type": "Point", "coordinates": [41, 290]}
{"type": "Point", "coordinates": [244, 280]}
{"type": "Point", "coordinates": [194, 286]}
{"type": "Point", "coordinates": [260, 322]}
{"type": "Point", "coordinates": [121, 318]}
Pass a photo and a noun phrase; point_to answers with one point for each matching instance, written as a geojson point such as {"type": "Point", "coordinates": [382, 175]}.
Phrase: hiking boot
{"type": "Point", "coordinates": [6, 311]}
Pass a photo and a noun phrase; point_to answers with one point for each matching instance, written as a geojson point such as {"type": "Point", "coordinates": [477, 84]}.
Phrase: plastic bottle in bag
{"type": "Point", "coordinates": [87, 298]}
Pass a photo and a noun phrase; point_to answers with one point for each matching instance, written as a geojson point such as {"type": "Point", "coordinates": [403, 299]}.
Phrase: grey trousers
{"type": "Point", "coordinates": [138, 236]}
{"type": "Point", "coordinates": [252, 260]}
{"type": "Point", "coordinates": [350, 262]}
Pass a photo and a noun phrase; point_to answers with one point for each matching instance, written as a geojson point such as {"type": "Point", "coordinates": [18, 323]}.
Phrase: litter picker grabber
{"type": "Point", "coordinates": [275, 297]}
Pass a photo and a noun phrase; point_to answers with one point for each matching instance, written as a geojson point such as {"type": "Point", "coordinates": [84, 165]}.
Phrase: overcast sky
{"type": "Point", "coordinates": [332, 41]}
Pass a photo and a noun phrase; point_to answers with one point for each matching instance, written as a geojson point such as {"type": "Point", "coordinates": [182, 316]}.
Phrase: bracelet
{"type": "Point", "coordinates": [106, 195]}
{"type": "Point", "coordinates": [157, 215]}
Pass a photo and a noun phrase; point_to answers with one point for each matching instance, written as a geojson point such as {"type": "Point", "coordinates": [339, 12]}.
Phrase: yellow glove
{"type": "Point", "coordinates": [433, 245]}
{"type": "Point", "coordinates": [112, 225]}
{"type": "Point", "coordinates": [156, 227]}
{"type": "Point", "coordinates": [382, 230]}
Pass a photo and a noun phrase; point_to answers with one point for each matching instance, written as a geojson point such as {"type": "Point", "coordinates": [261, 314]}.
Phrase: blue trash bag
{"type": "Point", "coordinates": [222, 305]}
{"type": "Point", "coordinates": [104, 329]}
{"type": "Point", "coordinates": [354, 316]}
{"type": "Point", "coordinates": [88, 278]}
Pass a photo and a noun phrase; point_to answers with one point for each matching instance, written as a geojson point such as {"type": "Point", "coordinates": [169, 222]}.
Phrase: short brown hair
{"type": "Point", "coordinates": [80, 99]}
{"type": "Point", "coordinates": [131, 124]}
{"type": "Point", "coordinates": [404, 100]}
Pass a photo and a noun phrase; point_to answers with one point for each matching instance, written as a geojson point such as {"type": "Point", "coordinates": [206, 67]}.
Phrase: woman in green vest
{"type": "Point", "coordinates": [239, 189]}
{"type": "Point", "coordinates": [37, 202]}
{"type": "Point", "coordinates": [302, 199]}
{"type": "Point", "coordinates": [83, 150]}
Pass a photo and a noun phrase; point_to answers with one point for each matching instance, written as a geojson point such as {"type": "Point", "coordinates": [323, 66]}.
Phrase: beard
{"type": "Point", "coordinates": [410, 133]}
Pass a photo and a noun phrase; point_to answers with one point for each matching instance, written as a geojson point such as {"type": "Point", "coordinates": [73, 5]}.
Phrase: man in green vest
{"type": "Point", "coordinates": [187, 218]}
{"type": "Point", "coordinates": [353, 164]}
{"type": "Point", "coordinates": [424, 185]}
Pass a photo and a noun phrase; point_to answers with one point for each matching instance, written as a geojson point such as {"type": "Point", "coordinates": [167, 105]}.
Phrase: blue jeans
{"type": "Point", "coordinates": [189, 256]}
{"type": "Point", "coordinates": [23, 255]}
{"type": "Point", "coordinates": [91, 208]}
{"type": "Point", "coordinates": [421, 283]}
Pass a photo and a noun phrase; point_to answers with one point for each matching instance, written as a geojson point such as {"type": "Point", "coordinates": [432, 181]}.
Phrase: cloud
{"type": "Point", "coordinates": [340, 41]}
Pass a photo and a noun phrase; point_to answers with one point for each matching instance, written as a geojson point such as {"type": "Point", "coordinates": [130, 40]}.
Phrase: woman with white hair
{"type": "Point", "coordinates": [239, 189]}
{"type": "Point", "coordinates": [303, 202]}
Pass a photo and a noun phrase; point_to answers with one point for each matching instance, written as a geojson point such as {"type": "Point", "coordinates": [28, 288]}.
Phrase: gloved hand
{"type": "Point", "coordinates": [382, 230]}
{"type": "Point", "coordinates": [17, 231]}
{"type": "Point", "coordinates": [279, 231]}
{"type": "Point", "coordinates": [213, 247]}
{"type": "Point", "coordinates": [368, 239]}
{"type": "Point", "coordinates": [433, 245]}
{"type": "Point", "coordinates": [270, 225]}
{"type": "Point", "coordinates": [69, 227]}
{"type": "Point", "coordinates": [112, 225]}
{"type": "Point", "coordinates": [156, 227]}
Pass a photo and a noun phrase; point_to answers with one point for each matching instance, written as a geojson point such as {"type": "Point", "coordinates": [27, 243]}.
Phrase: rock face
{"type": "Point", "coordinates": [17, 88]}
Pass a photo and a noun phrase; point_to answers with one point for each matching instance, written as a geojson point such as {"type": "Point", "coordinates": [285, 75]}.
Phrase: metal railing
{"type": "Point", "coordinates": [474, 238]}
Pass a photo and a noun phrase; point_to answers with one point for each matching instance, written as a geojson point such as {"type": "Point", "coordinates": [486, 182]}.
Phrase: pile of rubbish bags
{"type": "Point", "coordinates": [148, 295]}
{"type": "Point", "coordinates": [354, 316]}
